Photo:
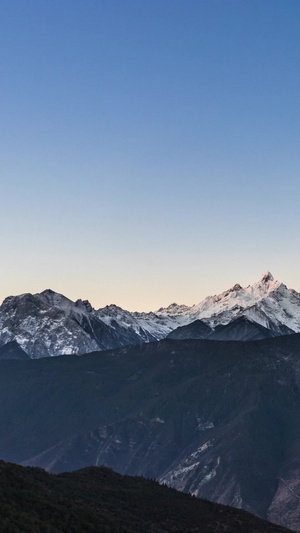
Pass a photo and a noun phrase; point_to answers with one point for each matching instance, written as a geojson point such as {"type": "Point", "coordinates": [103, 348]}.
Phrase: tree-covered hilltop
{"type": "Point", "coordinates": [96, 499]}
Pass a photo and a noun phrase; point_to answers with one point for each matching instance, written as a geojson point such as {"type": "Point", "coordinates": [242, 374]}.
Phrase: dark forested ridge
{"type": "Point", "coordinates": [99, 500]}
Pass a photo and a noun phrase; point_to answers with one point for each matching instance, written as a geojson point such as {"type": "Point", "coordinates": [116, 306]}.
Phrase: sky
{"type": "Point", "coordinates": [149, 150]}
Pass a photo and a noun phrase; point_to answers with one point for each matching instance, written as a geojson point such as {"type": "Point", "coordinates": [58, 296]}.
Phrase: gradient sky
{"type": "Point", "coordinates": [149, 148]}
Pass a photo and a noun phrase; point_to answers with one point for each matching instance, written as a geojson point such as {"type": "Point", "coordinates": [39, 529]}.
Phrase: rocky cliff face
{"type": "Point", "coordinates": [49, 324]}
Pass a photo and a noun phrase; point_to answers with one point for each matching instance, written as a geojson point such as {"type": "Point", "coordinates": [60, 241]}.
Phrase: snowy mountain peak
{"type": "Point", "coordinates": [236, 287]}
{"type": "Point", "coordinates": [173, 310]}
{"type": "Point", "coordinates": [54, 299]}
{"type": "Point", "coordinates": [84, 305]}
{"type": "Point", "coordinates": [267, 276]}
{"type": "Point", "coordinates": [264, 285]}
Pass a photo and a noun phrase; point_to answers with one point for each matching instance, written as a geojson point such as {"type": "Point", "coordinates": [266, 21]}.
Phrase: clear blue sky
{"type": "Point", "coordinates": [149, 148]}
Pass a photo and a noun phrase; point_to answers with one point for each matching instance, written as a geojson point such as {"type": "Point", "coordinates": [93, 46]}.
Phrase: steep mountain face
{"type": "Point", "coordinates": [218, 419]}
{"type": "Point", "coordinates": [195, 330]}
{"type": "Point", "coordinates": [49, 324]}
{"type": "Point", "coordinates": [12, 350]}
{"type": "Point", "coordinates": [239, 329]}
{"type": "Point", "coordinates": [146, 326]}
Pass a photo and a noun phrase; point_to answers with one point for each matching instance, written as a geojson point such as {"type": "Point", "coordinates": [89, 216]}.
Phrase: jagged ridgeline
{"type": "Point", "coordinates": [99, 500]}
{"type": "Point", "coordinates": [49, 324]}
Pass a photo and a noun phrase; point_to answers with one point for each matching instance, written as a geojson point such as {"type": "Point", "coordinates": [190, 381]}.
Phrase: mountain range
{"type": "Point", "coordinates": [170, 395]}
{"type": "Point", "coordinates": [49, 324]}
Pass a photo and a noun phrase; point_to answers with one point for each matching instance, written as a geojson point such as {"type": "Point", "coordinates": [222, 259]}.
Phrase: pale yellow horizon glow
{"type": "Point", "coordinates": [142, 294]}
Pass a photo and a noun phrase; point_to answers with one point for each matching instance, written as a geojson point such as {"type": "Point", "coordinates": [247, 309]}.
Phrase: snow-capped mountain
{"type": "Point", "coordinates": [156, 325]}
{"type": "Point", "coordinates": [49, 324]}
{"type": "Point", "coordinates": [267, 302]}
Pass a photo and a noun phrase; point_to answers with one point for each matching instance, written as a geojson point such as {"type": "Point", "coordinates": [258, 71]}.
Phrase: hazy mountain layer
{"type": "Point", "coordinates": [239, 329]}
{"type": "Point", "coordinates": [218, 419]}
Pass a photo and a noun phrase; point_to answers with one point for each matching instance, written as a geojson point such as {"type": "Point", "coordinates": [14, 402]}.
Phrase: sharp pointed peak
{"type": "Point", "coordinates": [48, 292]}
{"type": "Point", "coordinates": [267, 276]}
{"type": "Point", "coordinates": [236, 287]}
